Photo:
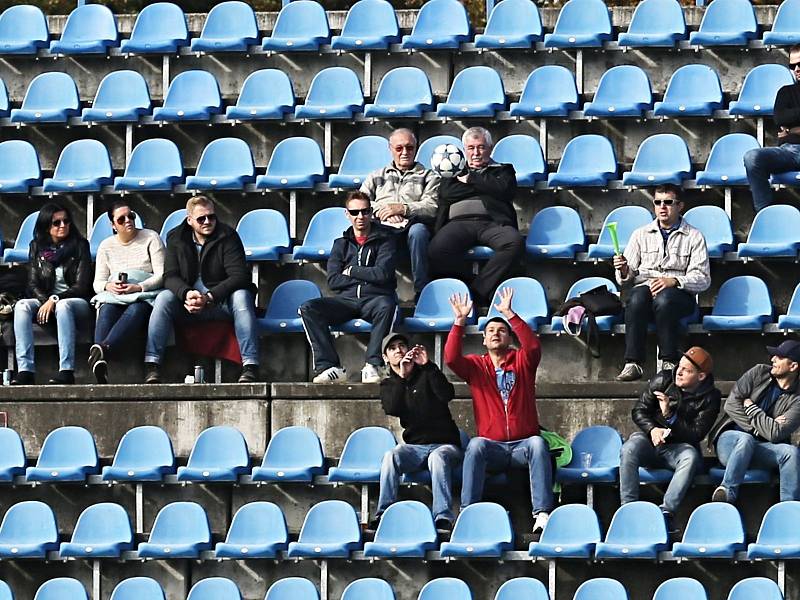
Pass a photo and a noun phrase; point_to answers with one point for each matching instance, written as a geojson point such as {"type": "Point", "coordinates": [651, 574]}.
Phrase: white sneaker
{"type": "Point", "coordinates": [369, 374]}
{"type": "Point", "coordinates": [667, 365]}
{"type": "Point", "coordinates": [630, 372]}
{"type": "Point", "coordinates": [540, 523]}
{"type": "Point", "coordinates": [331, 375]}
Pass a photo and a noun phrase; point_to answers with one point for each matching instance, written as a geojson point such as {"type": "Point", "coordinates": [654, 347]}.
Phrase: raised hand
{"type": "Point", "coordinates": [504, 306]}
{"type": "Point", "coordinates": [462, 307]}
{"type": "Point", "coordinates": [420, 355]}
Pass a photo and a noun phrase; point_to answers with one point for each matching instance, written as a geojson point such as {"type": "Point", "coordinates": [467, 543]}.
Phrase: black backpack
{"type": "Point", "coordinates": [597, 302]}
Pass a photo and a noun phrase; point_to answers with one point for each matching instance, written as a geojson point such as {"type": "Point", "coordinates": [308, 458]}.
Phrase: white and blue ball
{"type": "Point", "coordinates": [448, 160]}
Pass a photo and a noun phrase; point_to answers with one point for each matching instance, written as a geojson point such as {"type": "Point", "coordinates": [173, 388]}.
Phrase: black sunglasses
{"type": "Point", "coordinates": [667, 202]}
{"type": "Point", "coordinates": [60, 222]}
{"type": "Point", "coordinates": [131, 216]}
{"type": "Point", "coordinates": [793, 66]}
{"type": "Point", "coordinates": [354, 212]}
{"type": "Point", "coordinates": [203, 218]}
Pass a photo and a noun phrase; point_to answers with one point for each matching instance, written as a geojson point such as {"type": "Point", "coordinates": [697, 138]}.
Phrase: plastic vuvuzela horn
{"type": "Point", "coordinates": [612, 230]}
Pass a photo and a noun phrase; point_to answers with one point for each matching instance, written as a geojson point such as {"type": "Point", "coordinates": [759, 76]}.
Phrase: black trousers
{"type": "Point", "coordinates": [666, 309]}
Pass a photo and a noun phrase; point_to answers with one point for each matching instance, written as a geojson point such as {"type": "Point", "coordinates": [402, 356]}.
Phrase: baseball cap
{"type": "Point", "coordinates": [700, 359]}
{"type": "Point", "coordinates": [388, 339]}
{"type": "Point", "coordinates": [789, 349]}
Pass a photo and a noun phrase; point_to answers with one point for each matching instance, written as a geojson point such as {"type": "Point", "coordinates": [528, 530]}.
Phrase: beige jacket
{"type": "Point", "coordinates": [417, 188]}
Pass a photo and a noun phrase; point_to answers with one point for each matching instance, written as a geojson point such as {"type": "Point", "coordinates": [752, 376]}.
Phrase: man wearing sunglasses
{"type": "Point", "coordinates": [761, 163]}
{"type": "Point", "coordinates": [665, 264]}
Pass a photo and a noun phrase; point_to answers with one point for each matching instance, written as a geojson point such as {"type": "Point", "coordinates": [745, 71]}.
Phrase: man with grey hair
{"type": "Point", "coordinates": [476, 209]}
{"type": "Point", "coordinates": [403, 195]}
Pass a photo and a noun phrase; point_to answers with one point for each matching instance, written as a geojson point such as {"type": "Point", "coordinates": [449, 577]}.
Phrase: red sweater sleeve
{"type": "Point", "coordinates": [453, 353]}
{"type": "Point", "coordinates": [530, 347]}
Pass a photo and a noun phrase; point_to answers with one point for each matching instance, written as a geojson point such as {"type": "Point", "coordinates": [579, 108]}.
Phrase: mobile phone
{"type": "Point", "coordinates": [122, 278]}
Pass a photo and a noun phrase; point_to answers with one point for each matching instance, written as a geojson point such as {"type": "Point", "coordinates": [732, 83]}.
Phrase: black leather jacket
{"type": "Point", "coordinates": [78, 272]}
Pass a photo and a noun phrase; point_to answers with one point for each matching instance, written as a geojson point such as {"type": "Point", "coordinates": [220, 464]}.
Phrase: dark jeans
{"type": "Point", "coordinates": [448, 249]}
{"type": "Point", "coordinates": [117, 323]}
{"type": "Point", "coordinates": [760, 163]}
{"type": "Point", "coordinates": [667, 309]}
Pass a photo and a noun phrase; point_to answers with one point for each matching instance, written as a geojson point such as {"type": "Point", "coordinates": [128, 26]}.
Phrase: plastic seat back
{"type": "Point", "coordinates": [295, 446]}
{"type": "Point", "coordinates": [226, 157]}
{"type": "Point", "coordinates": [683, 588]}
{"type": "Point", "coordinates": [572, 523]}
{"type": "Point", "coordinates": [663, 153]}
{"type": "Point", "coordinates": [362, 156]}
{"type": "Point", "coordinates": [434, 299]}
{"type": "Point", "coordinates": [102, 230]}
{"type": "Point", "coordinates": [628, 220]}
{"type": "Point", "coordinates": [292, 588]}
{"type": "Point", "coordinates": [301, 19]}
{"type": "Point", "coordinates": [173, 220]}
{"type": "Point", "coordinates": [761, 85]}
{"type": "Point", "coordinates": [549, 89]}
{"type": "Point", "coordinates": [743, 295]}
{"type": "Point", "coordinates": [477, 85]}
{"type": "Point", "coordinates": [257, 522]}
{"type": "Point", "coordinates": [61, 588]}
{"type": "Point", "coordinates": [775, 224]}
{"type": "Point", "coordinates": [192, 89]}
{"type": "Point", "coordinates": [715, 225]}
{"type": "Point", "coordinates": [330, 521]}
{"type": "Point", "coordinates": [19, 166]}
{"type": "Point", "coordinates": [482, 522]}
{"type": "Point", "coordinates": [727, 18]}
{"type": "Point", "coordinates": [585, 154]}
{"type": "Point", "coordinates": [219, 446]}
{"type": "Point", "coordinates": [445, 588]}
{"type": "Point", "coordinates": [264, 228]}
{"type": "Point", "coordinates": [588, 283]}
{"type": "Point", "coordinates": [602, 442]}
{"type": "Point", "coordinates": [755, 587]}
{"type": "Point", "coordinates": [334, 86]}
{"type": "Point", "coordinates": [371, 19]}
{"type": "Point", "coordinates": [122, 90]}
{"type": "Point", "coordinates": [266, 87]}
{"type": "Point", "coordinates": [87, 24]}
{"type": "Point", "coordinates": [513, 19]}
{"type": "Point", "coordinates": [368, 588]}
{"type": "Point", "coordinates": [403, 87]}
{"type": "Point", "coordinates": [104, 523]}
{"type": "Point", "coordinates": [426, 148]}
{"type": "Point", "coordinates": [296, 156]}
{"type": "Point", "coordinates": [284, 304]}
{"type": "Point", "coordinates": [153, 158]}
{"type": "Point", "coordinates": [581, 23]}
{"type": "Point", "coordinates": [230, 22]}
{"type": "Point", "coordinates": [441, 18]}
{"type": "Point", "coordinates": [522, 587]}
{"type": "Point", "coordinates": [138, 588]}
{"type": "Point", "coordinates": [365, 447]}
{"type": "Point", "coordinates": [524, 153]}
{"type": "Point", "coordinates": [146, 446]}
{"type": "Point", "coordinates": [181, 522]}
{"type": "Point", "coordinates": [601, 588]}
{"type": "Point", "coordinates": [715, 522]}
{"type": "Point", "coordinates": [534, 310]}
{"type": "Point", "coordinates": [407, 521]}
{"type": "Point", "coordinates": [214, 588]}
{"type": "Point", "coordinates": [23, 29]}
{"type": "Point", "coordinates": [12, 450]}
{"type": "Point", "coordinates": [691, 84]}
{"type": "Point", "coordinates": [27, 522]}
{"type": "Point", "coordinates": [623, 85]}
{"type": "Point", "coordinates": [23, 241]}
{"type": "Point", "coordinates": [68, 446]}
{"type": "Point", "coordinates": [786, 25]}
{"type": "Point", "coordinates": [159, 27]}
{"type": "Point", "coordinates": [655, 22]}
{"type": "Point", "coordinates": [51, 90]}
{"type": "Point", "coordinates": [325, 226]}
{"type": "Point", "coordinates": [773, 530]}
{"type": "Point", "coordinates": [725, 162]}
{"type": "Point", "coordinates": [83, 159]}
{"type": "Point", "coordinates": [5, 591]}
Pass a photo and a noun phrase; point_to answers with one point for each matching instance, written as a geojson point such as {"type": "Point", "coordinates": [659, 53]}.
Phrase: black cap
{"type": "Point", "coordinates": [388, 339]}
{"type": "Point", "coordinates": [789, 349]}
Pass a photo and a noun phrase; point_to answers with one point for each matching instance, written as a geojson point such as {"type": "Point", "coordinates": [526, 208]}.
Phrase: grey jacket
{"type": "Point", "coordinates": [417, 188]}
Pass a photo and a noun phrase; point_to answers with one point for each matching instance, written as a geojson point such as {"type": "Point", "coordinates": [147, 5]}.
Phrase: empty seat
{"type": "Point", "coordinates": [294, 453]}
{"type": "Point", "coordinates": [362, 455]}
{"type": "Point", "coordinates": [693, 90]}
{"type": "Point", "coordinates": [662, 158]}
{"type": "Point", "coordinates": [482, 529]}
{"type": "Point", "coordinates": [726, 23]}
{"type": "Point", "coordinates": [230, 27]}
{"type": "Point", "coordinates": [476, 92]}
{"type": "Point", "coordinates": [445, 588]}
{"type": "Point", "coordinates": [403, 92]}
{"type": "Point", "coordinates": [138, 588]}
{"type": "Point", "coordinates": [180, 530]}
{"type": "Point", "coordinates": [154, 165]}
{"type": "Point", "coordinates": [67, 454]}
{"type": "Point", "coordinates": [791, 320]}
{"type": "Point", "coordinates": [103, 530]}
{"type": "Point", "coordinates": [144, 454]}
{"type": "Point", "coordinates": [219, 454]}
{"type": "Point", "coordinates": [301, 25]}
{"type": "Point", "coordinates": [555, 232]}
{"type": "Point", "coordinates": [655, 23]}
{"type": "Point", "coordinates": [680, 588]}
{"type": "Point", "coordinates": [587, 160]}
{"type": "Point", "coordinates": [405, 530]}
{"type": "Point", "coordinates": [580, 24]}
{"type": "Point", "coordinates": [743, 303]}
{"type": "Point", "coordinates": [12, 452]}
{"type": "Point", "coordinates": [522, 587]}
{"type": "Point", "coordinates": [761, 85]}
{"type": "Point", "coordinates": [525, 154]}
{"type": "Point", "coordinates": [786, 25]}
{"type": "Point", "coordinates": [330, 530]}
{"type": "Point", "coordinates": [295, 163]}
{"type": "Point", "coordinates": [28, 530]}
{"type": "Point", "coordinates": [549, 91]}
{"type": "Point", "coordinates": [19, 253]}
{"type": "Point", "coordinates": [23, 30]}
{"type": "Point", "coordinates": [258, 530]}
{"type": "Point", "coordinates": [282, 315]}
{"type": "Point", "coordinates": [292, 588]}
{"type": "Point", "coordinates": [19, 168]}
{"type": "Point", "coordinates": [774, 233]}
{"type": "Point", "coordinates": [775, 540]}
{"type": "Point", "coordinates": [102, 229]}
{"type": "Point", "coordinates": [755, 587]}
{"type": "Point", "coordinates": [605, 322]}
{"type": "Point", "coordinates": [335, 93]}
{"type": "Point", "coordinates": [362, 156]}
{"type": "Point", "coordinates": [214, 588]}
{"type": "Point", "coordinates": [628, 219]}
{"type": "Point", "coordinates": [370, 25]}
{"type": "Point", "coordinates": [533, 311]}
{"type": "Point", "coordinates": [50, 98]}
{"type": "Point", "coordinates": [573, 531]}
{"type": "Point", "coordinates": [714, 530]}
{"type": "Point", "coordinates": [623, 91]}
{"type": "Point", "coordinates": [433, 312]}
{"type": "Point", "coordinates": [325, 226]}
{"type": "Point", "coordinates": [121, 96]}
{"type": "Point", "coordinates": [266, 94]}
{"type": "Point", "coordinates": [637, 530]}
{"type": "Point", "coordinates": [83, 166]}
{"type": "Point", "coordinates": [716, 227]}
{"type": "Point", "coordinates": [61, 588]}
{"type": "Point", "coordinates": [226, 164]}
{"type": "Point", "coordinates": [368, 588]}
{"type": "Point", "coordinates": [426, 148]}
{"type": "Point", "coordinates": [160, 28]}
{"type": "Point", "coordinates": [192, 96]}
{"type": "Point", "coordinates": [90, 29]}
{"type": "Point", "coordinates": [725, 164]}
{"type": "Point", "coordinates": [515, 24]}
{"type": "Point", "coordinates": [440, 24]}
{"type": "Point", "coordinates": [4, 104]}
{"type": "Point", "coordinates": [173, 220]}
{"type": "Point", "coordinates": [601, 588]}
{"type": "Point", "coordinates": [264, 234]}
{"type": "Point", "coordinates": [604, 444]}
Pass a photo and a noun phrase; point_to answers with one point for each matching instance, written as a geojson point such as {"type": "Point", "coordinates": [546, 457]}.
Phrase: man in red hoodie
{"type": "Point", "coordinates": [503, 387]}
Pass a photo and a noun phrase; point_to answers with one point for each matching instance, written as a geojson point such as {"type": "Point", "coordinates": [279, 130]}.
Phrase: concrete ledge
{"type": "Point", "coordinates": [126, 393]}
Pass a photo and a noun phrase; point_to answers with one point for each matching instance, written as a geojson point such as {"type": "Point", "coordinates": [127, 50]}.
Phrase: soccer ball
{"type": "Point", "coordinates": [448, 160]}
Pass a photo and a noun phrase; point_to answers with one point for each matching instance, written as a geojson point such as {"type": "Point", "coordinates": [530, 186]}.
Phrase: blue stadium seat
{"type": "Point", "coordinates": [4, 103]}
{"type": "Point", "coordinates": [440, 24]}
{"type": "Point", "coordinates": [102, 230]}
{"type": "Point", "coordinates": [265, 234]}
{"type": "Point", "coordinates": [281, 315]}
{"type": "Point", "coordinates": [775, 540]}
{"type": "Point", "coordinates": [19, 174]}
{"type": "Point", "coordinates": [144, 454]}
{"type": "Point", "coordinates": [692, 91]}
{"type": "Point", "coordinates": [512, 24]}
{"type": "Point", "coordinates": [138, 588]}
{"type": "Point", "coordinates": [604, 444]}
{"type": "Point", "coordinates": [525, 154]}
{"type": "Point", "coordinates": [743, 304]}
{"type": "Point", "coordinates": [180, 530]}
{"type": "Point", "coordinates": [67, 454]}
{"type": "Point", "coordinates": [725, 164]}
{"type": "Point", "coordinates": [23, 30]}
{"type": "Point", "coordinates": [761, 85]}
{"type": "Point", "coordinates": [90, 29]}
{"type": "Point", "coordinates": [266, 94]}
{"type": "Point", "coordinates": [369, 25]}
{"type": "Point", "coordinates": [103, 531]}
{"type": "Point", "coordinates": [368, 588]}
{"type": "Point", "coordinates": [751, 476]}
{"type": "Point", "coordinates": [258, 530]}
{"type": "Point", "coordinates": [292, 588]}
{"type": "Point", "coordinates": [160, 28]}
{"type": "Point", "coordinates": [295, 163]}
{"type": "Point", "coordinates": [445, 588]}
{"type": "Point", "coordinates": [786, 25]}
{"type": "Point", "coordinates": [83, 166]}
{"type": "Point", "coordinates": [335, 93]}
{"type": "Point", "coordinates": [325, 226]}
{"type": "Point", "coordinates": [715, 225]}
{"type": "Point", "coordinates": [549, 91]}
{"type": "Point", "coordinates": [773, 233]}
{"type": "Point", "coordinates": [219, 454]}
{"type": "Point", "coordinates": [403, 92]}
{"type": "Point", "coordinates": [637, 530]}
{"type": "Point", "coordinates": [362, 455]}
{"type": "Point", "coordinates": [680, 588]}
{"type": "Point", "coordinates": [173, 220]}
{"type": "Point", "coordinates": [294, 453]}
{"type": "Point", "coordinates": [214, 588]}
{"type": "Point", "coordinates": [301, 25]}
{"type": "Point", "coordinates": [154, 165]}
{"type": "Point", "coordinates": [522, 587]}
{"type": "Point", "coordinates": [482, 530]}
{"type": "Point", "coordinates": [605, 322]}
{"type": "Point", "coordinates": [572, 532]}
{"type": "Point", "coordinates": [362, 156]}
{"type": "Point", "coordinates": [655, 23]}
{"type": "Point", "coordinates": [714, 530]}
{"type": "Point", "coordinates": [192, 96]}
{"type": "Point", "coordinates": [61, 588]}
{"type": "Point", "coordinates": [28, 530]}
{"type": "Point", "coordinates": [405, 530]}
{"type": "Point", "coordinates": [330, 530]}
{"type": "Point", "coordinates": [50, 98]}
{"type": "Point", "coordinates": [230, 27]}
{"type": "Point", "coordinates": [226, 164]}
{"type": "Point", "coordinates": [12, 454]}
{"type": "Point", "coordinates": [476, 92]}
{"type": "Point", "coordinates": [534, 308]}
{"type": "Point", "coordinates": [426, 148]}
{"type": "Point", "coordinates": [755, 587]}
{"type": "Point", "coordinates": [121, 96]}
{"type": "Point", "coordinates": [19, 253]}
{"type": "Point", "coordinates": [726, 23]}
{"type": "Point", "coordinates": [601, 588]}
{"type": "Point", "coordinates": [581, 24]}
{"type": "Point", "coordinates": [662, 158]}
{"type": "Point", "coordinates": [5, 591]}
{"type": "Point", "coordinates": [791, 320]}
{"type": "Point", "coordinates": [587, 160]}
{"type": "Point", "coordinates": [433, 312]}
{"type": "Point", "coordinates": [628, 219]}
{"type": "Point", "coordinates": [623, 91]}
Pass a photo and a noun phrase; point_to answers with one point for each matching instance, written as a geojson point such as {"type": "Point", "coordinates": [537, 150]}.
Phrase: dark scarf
{"type": "Point", "coordinates": [55, 254]}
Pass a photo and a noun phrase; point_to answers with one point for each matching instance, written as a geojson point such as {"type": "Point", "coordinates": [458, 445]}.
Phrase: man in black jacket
{"type": "Point", "coordinates": [477, 208]}
{"type": "Point", "coordinates": [206, 279]}
{"type": "Point", "coordinates": [675, 413]}
{"type": "Point", "coordinates": [760, 163]}
{"type": "Point", "coordinates": [361, 272]}
{"type": "Point", "coordinates": [418, 393]}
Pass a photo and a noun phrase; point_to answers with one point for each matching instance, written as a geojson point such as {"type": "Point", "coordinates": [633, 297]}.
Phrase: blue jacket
{"type": "Point", "coordinates": [372, 265]}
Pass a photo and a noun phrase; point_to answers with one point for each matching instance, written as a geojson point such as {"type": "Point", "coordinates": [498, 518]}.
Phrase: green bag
{"type": "Point", "coordinates": [560, 452]}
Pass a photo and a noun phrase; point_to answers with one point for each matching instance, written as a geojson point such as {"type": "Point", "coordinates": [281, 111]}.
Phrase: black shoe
{"type": "Point", "coordinates": [63, 378]}
{"type": "Point", "coordinates": [95, 354]}
{"type": "Point", "coordinates": [669, 521]}
{"type": "Point", "coordinates": [444, 525]}
{"type": "Point", "coordinates": [249, 374]}
{"type": "Point", "coordinates": [24, 378]}
{"type": "Point", "coordinates": [152, 373]}
{"type": "Point", "coordinates": [373, 524]}
{"type": "Point", "coordinates": [100, 371]}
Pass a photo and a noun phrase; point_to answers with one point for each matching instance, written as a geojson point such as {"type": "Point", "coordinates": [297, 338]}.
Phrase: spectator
{"type": "Point", "coordinates": [664, 266]}
{"type": "Point", "coordinates": [361, 273]}
{"type": "Point", "coordinates": [760, 163]}
{"type": "Point", "coordinates": [503, 387]}
{"type": "Point", "coordinates": [59, 283]}
{"type": "Point", "coordinates": [128, 276]}
{"type": "Point", "coordinates": [477, 208]}
{"type": "Point", "coordinates": [761, 413]}
{"type": "Point", "coordinates": [403, 196]}
{"type": "Point", "coordinates": [206, 279]}
{"type": "Point", "coordinates": [417, 392]}
{"type": "Point", "coordinates": [674, 413]}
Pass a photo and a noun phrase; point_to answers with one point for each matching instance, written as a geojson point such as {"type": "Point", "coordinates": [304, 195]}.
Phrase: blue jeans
{"type": "Point", "coordinates": [484, 454]}
{"type": "Point", "coordinates": [639, 451]}
{"type": "Point", "coordinates": [116, 323]}
{"type": "Point", "coordinates": [418, 236]}
{"type": "Point", "coordinates": [739, 451]}
{"type": "Point", "coordinates": [69, 312]}
{"type": "Point", "coordinates": [760, 163]}
{"type": "Point", "coordinates": [168, 309]}
{"type": "Point", "coordinates": [439, 459]}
